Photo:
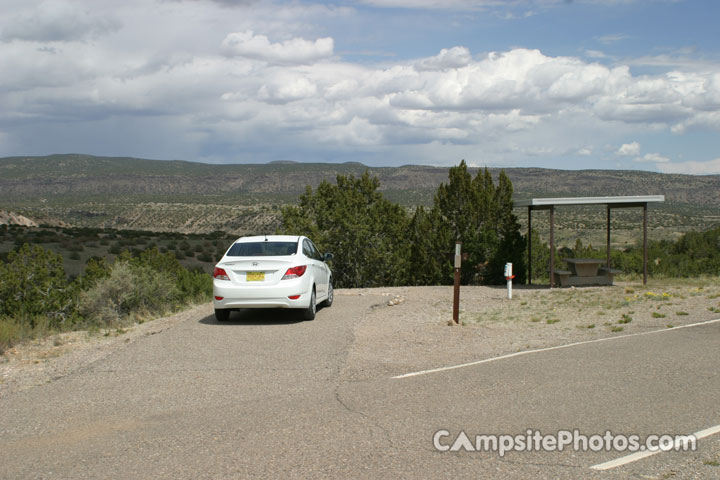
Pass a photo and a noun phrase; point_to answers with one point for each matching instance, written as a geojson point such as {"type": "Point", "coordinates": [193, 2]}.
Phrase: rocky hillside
{"type": "Point", "coordinates": [83, 175]}
{"type": "Point", "coordinates": [194, 197]}
{"type": "Point", "coordinates": [10, 218]}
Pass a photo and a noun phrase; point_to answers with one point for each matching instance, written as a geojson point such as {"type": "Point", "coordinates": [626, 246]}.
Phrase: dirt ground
{"type": "Point", "coordinates": [410, 328]}
{"type": "Point", "coordinates": [413, 330]}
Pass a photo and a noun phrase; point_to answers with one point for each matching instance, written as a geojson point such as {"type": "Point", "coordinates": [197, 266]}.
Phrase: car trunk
{"type": "Point", "coordinates": [257, 270]}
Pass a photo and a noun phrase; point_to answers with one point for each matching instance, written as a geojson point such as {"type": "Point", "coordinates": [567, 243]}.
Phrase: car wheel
{"type": "Point", "coordinates": [222, 314]}
{"type": "Point", "coordinates": [309, 313]}
{"type": "Point", "coordinates": [331, 294]}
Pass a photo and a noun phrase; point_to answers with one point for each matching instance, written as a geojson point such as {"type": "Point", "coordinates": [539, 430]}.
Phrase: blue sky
{"type": "Point", "coordinates": [610, 84]}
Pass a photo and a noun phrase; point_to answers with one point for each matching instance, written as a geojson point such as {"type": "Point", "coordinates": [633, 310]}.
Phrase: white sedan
{"type": "Point", "coordinates": [272, 271]}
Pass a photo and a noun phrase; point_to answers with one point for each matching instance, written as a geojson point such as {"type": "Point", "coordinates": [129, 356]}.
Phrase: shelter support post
{"type": "Point", "coordinates": [529, 246]}
{"type": "Point", "coordinates": [552, 246]}
{"type": "Point", "coordinates": [608, 237]}
{"type": "Point", "coordinates": [645, 245]}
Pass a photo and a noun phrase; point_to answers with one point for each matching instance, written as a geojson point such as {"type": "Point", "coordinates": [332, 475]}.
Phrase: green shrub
{"type": "Point", "coordinates": [34, 284]}
{"type": "Point", "coordinates": [128, 290]}
{"type": "Point", "coordinates": [195, 285]}
{"type": "Point", "coordinates": [205, 257]}
{"type": "Point", "coordinates": [96, 269]}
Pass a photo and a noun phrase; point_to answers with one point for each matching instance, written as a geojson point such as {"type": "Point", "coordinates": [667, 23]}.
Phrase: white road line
{"type": "Point", "coordinates": [634, 457]}
{"type": "Point", "coordinates": [527, 352]}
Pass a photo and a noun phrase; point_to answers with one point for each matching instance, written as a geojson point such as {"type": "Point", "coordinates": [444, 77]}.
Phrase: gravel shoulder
{"type": "Point", "coordinates": [410, 329]}
{"type": "Point", "coordinates": [44, 360]}
{"type": "Point", "coordinates": [413, 330]}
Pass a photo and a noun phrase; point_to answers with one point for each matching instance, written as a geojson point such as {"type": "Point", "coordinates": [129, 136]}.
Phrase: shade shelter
{"type": "Point", "coordinates": [639, 201]}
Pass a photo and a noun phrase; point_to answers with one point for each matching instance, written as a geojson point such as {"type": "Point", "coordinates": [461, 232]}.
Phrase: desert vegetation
{"type": "Point", "coordinates": [56, 277]}
{"type": "Point", "coordinates": [377, 243]}
{"type": "Point", "coordinates": [38, 298]}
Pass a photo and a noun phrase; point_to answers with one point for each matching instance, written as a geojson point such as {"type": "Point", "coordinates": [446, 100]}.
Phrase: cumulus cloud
{"type": "Point", "coordinates": [269, 86]}
{"type": "Point", "coordinates": [711, 167]}
{"type": "Point", "coordinates": [455, 57]}
{"type": "Point", "coordinates": [288, 90]}
{"type": "Point", "coordinates": [56, 21]}
{"type": "Point", "coordinates": [293, 51]}
{"type": "Point", "coordinates": [629, 149]}
{"type": "Point", "coordinates": [652, 158]}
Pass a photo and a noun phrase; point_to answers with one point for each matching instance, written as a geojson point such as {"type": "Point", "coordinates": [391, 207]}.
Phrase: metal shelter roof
{"type": "Point", "coordinates": [622, 200]}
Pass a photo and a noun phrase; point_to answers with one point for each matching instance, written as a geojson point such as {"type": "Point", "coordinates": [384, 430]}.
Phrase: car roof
{"type": "Point", "coordinates": [269, 238]}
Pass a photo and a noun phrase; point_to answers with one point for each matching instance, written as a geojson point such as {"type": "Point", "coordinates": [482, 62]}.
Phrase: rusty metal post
{"type": "Point", "coordinates": [456, 290]}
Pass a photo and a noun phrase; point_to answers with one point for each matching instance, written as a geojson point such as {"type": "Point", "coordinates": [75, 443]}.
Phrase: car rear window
{"type": "Point", "coordinates": [262, 249]}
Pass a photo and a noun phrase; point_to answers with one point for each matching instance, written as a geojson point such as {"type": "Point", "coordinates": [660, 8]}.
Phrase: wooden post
{"type": "Point", "coordinates": [645, 252]}
{"type": "Point", "coordinates": [608, 237]}
{"type": "Point", "coordinates": [529, 246]}
{"type": "Point", "coordinates": [552, 246]}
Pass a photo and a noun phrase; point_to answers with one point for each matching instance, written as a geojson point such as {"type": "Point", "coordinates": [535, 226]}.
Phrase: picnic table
{"type": "Point", "coordinates": [584, 271]}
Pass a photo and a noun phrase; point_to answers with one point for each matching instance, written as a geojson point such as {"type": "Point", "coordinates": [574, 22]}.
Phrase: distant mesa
{"type": "Point", "coordinates": [283, 162]}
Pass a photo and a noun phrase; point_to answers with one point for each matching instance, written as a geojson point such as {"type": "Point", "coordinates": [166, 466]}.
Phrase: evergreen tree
{"type": "Point", "coordinates": [479, 214]}
{"type": "Point", "coordinates": [458, 204]}
{"type": "Point", "coordinates": [429, 252]}
{"type": "Point", "coordinates": [510, 245]}
{"type": "Point", "coordinates": [366, 233]}
{"type": "Point", "coordinates": [540, 257]}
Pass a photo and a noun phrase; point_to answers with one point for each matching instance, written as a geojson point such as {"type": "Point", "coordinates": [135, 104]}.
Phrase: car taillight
{"type": "Point", "coordinates": [220, 274]}
{"type": "Point", "coordinates": [294, 272]}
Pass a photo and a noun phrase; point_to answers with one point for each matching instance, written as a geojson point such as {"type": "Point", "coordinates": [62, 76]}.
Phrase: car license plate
{"type": "Point", "coordinates": [255, 276]}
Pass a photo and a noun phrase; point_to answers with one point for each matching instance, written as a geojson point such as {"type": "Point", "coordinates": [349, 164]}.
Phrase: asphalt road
{"type": "Point", "coordinates": [268, 396]}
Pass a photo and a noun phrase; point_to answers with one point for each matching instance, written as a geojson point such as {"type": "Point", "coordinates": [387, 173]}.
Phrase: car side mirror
{"type": "Point", "coordinates": [328, 257]}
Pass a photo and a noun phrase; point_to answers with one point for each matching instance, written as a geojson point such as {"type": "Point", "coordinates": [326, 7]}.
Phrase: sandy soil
{"type": "Point", "coordinates": [413, 330]}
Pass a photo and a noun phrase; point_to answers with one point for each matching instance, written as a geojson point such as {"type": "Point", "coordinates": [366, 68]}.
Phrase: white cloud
{"type": "Point", "coordinates": [711, 167]}
{"type": "Point", "coordinates": [293, 51]}
{"type": "Point", "coordinates": [257, 83]}
{"type": "Point", "coordinates": [56, 21]}
{"type": "Point", "coordinates": [629, 149]}
{"type": "Point", "coordinates": [455, 57]}
{"type": "Point", "coordinates": [652, 158]}
{"type": "Point", "coordinates": [595, 54]}
{"type": "Point", "coordinates": [287, 90]}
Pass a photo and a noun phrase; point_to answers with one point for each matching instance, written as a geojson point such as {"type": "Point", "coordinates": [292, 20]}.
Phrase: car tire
{"type": "Point", "coordinates": [222, 314]}
{"type": "Point", "coordinates": [309, 313]}
{"type": "Point", "coordinates": [331, 296]}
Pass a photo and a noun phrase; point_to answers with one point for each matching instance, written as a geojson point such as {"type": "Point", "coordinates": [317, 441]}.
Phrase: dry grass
{"type": "Point", "coordinates": [622, 304]}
